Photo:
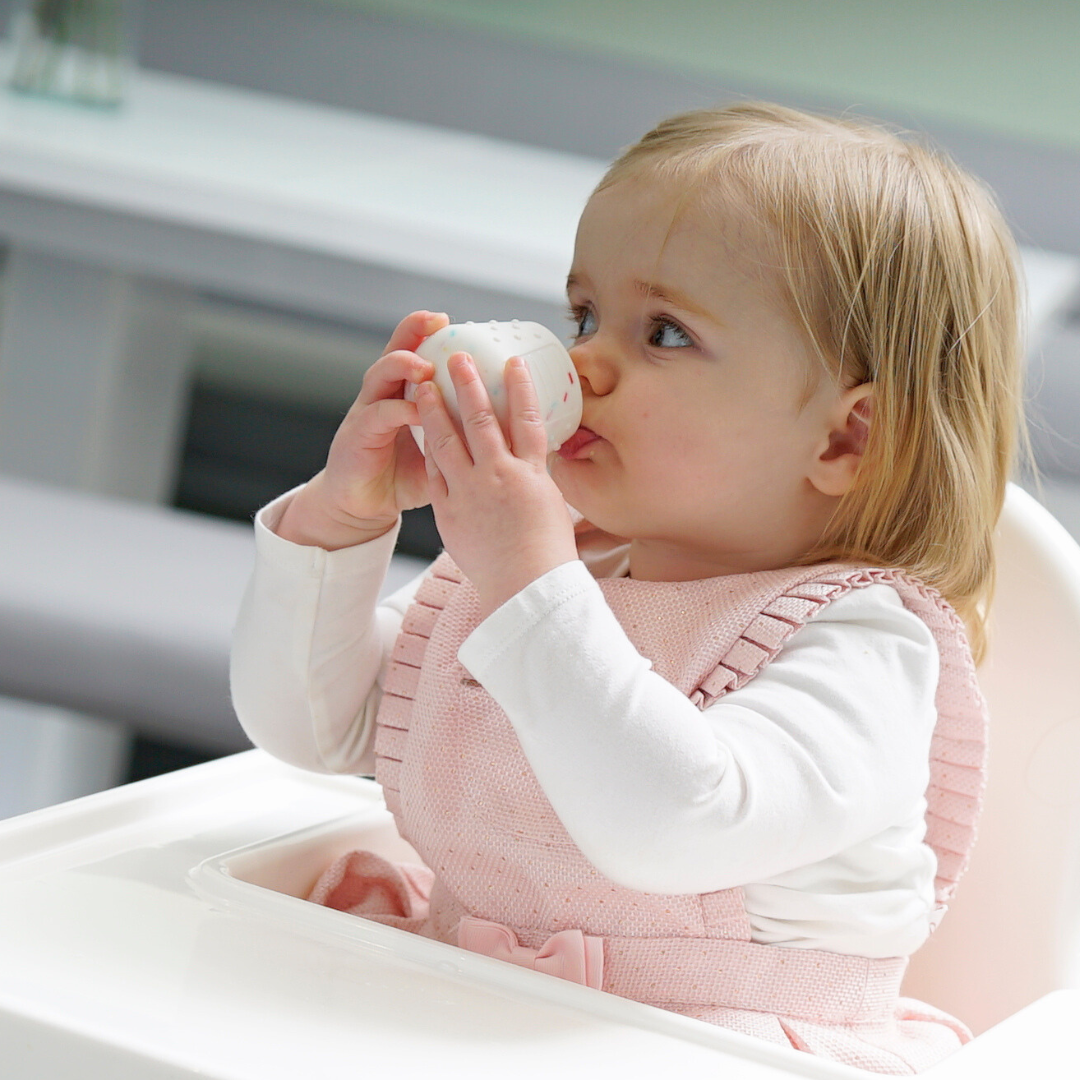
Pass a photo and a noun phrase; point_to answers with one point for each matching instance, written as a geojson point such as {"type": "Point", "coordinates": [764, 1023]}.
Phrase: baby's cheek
{"type": "Point", "coordinates": [689, 436]}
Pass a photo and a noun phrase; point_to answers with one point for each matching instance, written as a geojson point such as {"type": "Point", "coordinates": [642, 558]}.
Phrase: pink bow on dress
{"type": "Point", "coordinates": [569, 954]}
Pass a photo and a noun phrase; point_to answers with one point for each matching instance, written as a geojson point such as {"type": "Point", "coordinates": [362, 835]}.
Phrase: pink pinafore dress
{"type": "Point", "coordinates": [503, 877]}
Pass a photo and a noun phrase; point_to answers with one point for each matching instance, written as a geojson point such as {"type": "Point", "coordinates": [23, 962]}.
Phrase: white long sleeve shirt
{"type": "Point", "coordinates": [806, 787]}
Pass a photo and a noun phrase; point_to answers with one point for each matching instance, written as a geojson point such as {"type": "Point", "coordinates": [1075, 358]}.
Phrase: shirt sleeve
{"type": "Point", "coordinates": [826, 747]}
{"type": "Point", "coordinates": [311, 646]}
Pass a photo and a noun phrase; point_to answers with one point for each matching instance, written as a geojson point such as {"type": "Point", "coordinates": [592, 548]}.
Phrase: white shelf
{"type": "Point", "coordinates": [411, 197]}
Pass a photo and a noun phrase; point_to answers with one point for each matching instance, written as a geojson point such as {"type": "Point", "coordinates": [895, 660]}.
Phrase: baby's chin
{"type": "Point", "coordinates": [565, 489]}
{"type": "Point", "coordinates": [592, 511]}
{"type": "Point", "coordinates": [556, 466]}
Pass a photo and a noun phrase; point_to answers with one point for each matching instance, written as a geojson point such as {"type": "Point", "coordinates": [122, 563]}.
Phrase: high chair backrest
{"type": "Point", "coordinates": [1008, 936]}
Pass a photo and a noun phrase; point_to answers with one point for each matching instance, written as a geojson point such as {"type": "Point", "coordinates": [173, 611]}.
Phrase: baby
{"type": "Point", "coordinates": [687, 711]}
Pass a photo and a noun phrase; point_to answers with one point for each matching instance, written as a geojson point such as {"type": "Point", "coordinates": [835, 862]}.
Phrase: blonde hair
{"type": "Point", "coordinates": [901, 270]}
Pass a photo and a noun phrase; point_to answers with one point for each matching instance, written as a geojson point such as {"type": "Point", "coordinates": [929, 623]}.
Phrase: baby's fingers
{"type": "Point", "coordinates": [399, 365]}
{"type": "Point", "coordinates": [378, 425]}
{"type": "Point", "coordinates": [528, 437]}
{"type": "Point", "coordinates": [483, 434]}
{"type": "Point", "coordinates": [414, 328]}
{"type": "Point", "coordinates": [443, 446]}
{"type": "Point", "coordinates": [386, 377]}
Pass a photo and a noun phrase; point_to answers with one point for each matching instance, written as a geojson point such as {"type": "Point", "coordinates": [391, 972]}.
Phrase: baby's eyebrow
{"type": "Point", "coordinates": [649, 289]}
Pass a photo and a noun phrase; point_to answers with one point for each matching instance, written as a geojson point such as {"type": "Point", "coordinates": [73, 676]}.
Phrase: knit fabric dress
{"type": "Point", "coordinates": [503, 877]}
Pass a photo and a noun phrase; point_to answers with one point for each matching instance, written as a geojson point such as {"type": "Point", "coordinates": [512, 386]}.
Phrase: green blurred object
{"type": "Point", "coordinates": [74, 50]}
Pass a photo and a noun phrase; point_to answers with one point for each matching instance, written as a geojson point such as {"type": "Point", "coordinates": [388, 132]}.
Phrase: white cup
{"type": "Point", "coordinates": [491, 344]}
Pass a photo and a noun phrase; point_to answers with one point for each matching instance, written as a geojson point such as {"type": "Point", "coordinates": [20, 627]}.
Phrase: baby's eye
{"type": "Point", "coordinates": [668, 335]}
{"type": "Point", "coordinates": [586, 322]}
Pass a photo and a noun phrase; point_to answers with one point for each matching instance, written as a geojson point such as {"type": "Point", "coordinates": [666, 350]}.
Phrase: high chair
{"type": "Point", "coordinates": [1010, 934]}
{"type": "Point", "coordinates": [158, 931]}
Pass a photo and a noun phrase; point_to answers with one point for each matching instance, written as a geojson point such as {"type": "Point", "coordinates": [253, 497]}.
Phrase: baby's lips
{"type": "Point", "coordinates": [577, 442]}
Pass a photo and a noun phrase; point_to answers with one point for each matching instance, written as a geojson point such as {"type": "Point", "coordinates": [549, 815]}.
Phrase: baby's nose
{"type": "Point", "coordinates": [595, 369]}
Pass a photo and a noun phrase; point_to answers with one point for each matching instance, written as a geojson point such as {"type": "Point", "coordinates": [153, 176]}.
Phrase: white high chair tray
{"type": "Point", "coordinates": [156, 932]}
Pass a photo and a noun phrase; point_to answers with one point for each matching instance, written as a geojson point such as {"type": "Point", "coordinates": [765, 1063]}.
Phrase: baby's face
{"type": "Point", "coordinates": [697, 433]}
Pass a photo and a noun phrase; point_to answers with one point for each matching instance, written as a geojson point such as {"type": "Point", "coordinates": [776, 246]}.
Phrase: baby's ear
{"type": "Point", "coordinates": [833, 471]}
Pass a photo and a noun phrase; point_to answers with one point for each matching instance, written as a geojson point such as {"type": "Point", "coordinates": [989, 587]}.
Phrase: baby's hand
{"type": "Point", "coordinates": [502, 518]}
{"type": "Point", "coordinates": [374, 469]}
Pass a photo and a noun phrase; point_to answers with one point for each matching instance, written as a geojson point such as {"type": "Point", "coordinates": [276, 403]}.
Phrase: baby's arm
{"type": "Point", "coordinates": [825, 748]}
{"type": "Point", "coordinates": [310, 647]}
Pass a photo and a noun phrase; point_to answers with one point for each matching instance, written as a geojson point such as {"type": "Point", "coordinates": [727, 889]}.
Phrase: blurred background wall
{"type": "Point", "coordinates": [994, 81]}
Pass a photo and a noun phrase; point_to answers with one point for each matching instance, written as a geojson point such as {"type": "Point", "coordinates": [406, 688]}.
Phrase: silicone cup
{"type": "Point", "coordinates": [491, 344]}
